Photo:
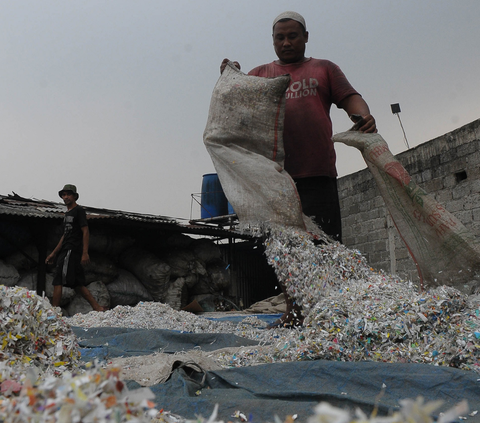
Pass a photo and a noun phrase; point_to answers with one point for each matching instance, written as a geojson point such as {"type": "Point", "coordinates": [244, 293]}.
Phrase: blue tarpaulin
{"type": "Point", "coordinates": [263, 391]}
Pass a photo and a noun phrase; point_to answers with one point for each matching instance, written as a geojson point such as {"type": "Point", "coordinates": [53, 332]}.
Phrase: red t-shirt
{"type": "Point", "coordinates": [307, 136]}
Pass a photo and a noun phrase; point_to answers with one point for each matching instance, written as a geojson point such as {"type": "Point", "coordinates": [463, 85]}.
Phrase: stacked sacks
{"type": "Point", "coordinates": [199, 271]}
{"type": "Point", "coordinates": [78, 304]}
{"type": "Point", "coordinates": [29, 281]}
{"type": "Point", "coordinates": [101, 268]}
{"type": "Point", "coordinates": [174, 270]}
{"type": "Point", "coordinates": [152, 272]}
{"type": "Point", "coordinates": [126, 289]}
{"type": "Point", "coordinates": [24, 260]}
{"type": "Point", "coordinates": [126, 269]}
{"type": "Point", "coordinates": [9, 275]}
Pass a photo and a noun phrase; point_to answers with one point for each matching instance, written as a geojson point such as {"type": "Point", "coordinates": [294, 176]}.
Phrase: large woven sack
{"type": "Point", "coordinates": [29, 280]}
{"type": "Point", "coordinates": [175, 293]}
{"type": "Point", "coordinates": [152, 272]}
{"type": "Point", "coordinates": [9, 276]}
{"type": "Point", "coordinates": [206, 250]}
{"type": "Point", "coordinates": [111, 245]}
{"type": "Point", "coordinates": [68, 294]}
{"type": "Point", "coordinates": [181, 262]}
{"type": "Point", "coordinates": [219, 274]}
{"type": "Point", "coordinates": [25, 259]}
{"type": "Point", "coordinates": [126, 289]}
{"type": "Point", "coordinates": [100, 268]}
{"type": "Point", "coordinates": [179, 241]}
{"type": "Point", "coordinates": [445, 252]}
{"type": "Point", "coordinates": [244, 137]}
{"type": "Point", "coordinates": [81, 305]}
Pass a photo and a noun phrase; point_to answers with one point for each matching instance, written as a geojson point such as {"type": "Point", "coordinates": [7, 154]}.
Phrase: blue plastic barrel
{"type": "Point", "coordinates": [213, 200]}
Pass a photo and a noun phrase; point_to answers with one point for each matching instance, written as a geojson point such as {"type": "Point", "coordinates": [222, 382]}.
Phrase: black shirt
{"type": "Point", "coordinates": [74, 221]}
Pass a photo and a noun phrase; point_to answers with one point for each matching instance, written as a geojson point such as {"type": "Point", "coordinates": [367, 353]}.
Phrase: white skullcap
{"type": "Point", "coordinates": [291, 15]}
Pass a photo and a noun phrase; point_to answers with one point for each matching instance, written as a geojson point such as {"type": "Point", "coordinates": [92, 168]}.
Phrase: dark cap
{"type": "Point", "coordinates": [71, 188]}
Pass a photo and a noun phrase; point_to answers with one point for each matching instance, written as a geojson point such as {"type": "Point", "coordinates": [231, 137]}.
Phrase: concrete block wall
{"type": "Point", "coordinates": [447, 167]}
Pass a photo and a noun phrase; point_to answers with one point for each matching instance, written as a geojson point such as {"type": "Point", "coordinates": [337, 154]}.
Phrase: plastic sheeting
{"type": "Point", "coordinates": [261, 392]}
{"type": "Point", "coordinates": [106, 343]}
{"type": "Point", "coordinates": [282, 389]}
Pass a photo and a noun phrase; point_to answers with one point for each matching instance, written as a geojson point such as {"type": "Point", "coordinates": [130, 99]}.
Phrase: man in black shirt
{"type": "Point", "coordinates": [73, 251]}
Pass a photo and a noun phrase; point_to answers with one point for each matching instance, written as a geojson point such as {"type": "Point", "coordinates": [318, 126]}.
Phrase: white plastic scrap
{"type": "Point", "coordinates": [33, 333]}
{"type": "Point", "coordinates": [95, 396]}
{"type": "Point", "coordinates": [351, 313]}
{"type": "Point", "coordinates": [411, 411]}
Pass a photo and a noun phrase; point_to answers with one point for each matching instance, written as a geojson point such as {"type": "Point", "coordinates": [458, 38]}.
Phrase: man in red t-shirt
{"type": "Point", "coordinates": [309, 153]}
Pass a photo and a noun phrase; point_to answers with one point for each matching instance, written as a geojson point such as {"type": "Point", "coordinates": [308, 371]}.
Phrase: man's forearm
{"type": "Point", "coordinates": [59, 246]}
{"type": "Point", "coordinates": [355, 105]}
{"type": "Point", "coordinates": [86, 239]}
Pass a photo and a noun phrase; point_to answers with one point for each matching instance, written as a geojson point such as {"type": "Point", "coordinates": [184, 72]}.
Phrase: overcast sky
{"type": "Point", "coordinates": [113, 96]}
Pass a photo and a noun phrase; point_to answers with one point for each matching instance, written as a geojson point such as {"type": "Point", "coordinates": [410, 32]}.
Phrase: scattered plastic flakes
{"type": "Point", "coordinates": [8, 386]}
{"type": "Point", "coordinates": [354, 313]}
{"type": "Point", "coordinates": [33, 333]}
{"type": "Point", "coordinates": [97, 395]}
{"type": "Point", "coordinates": [239, 415]}
{"type": "Point", "coordinates": [351, 312]}
{"type": "Point", "coordinates": [411, 411]}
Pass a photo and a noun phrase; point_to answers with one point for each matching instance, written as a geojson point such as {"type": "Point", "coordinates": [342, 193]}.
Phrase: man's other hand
{"type": "Point", "coordinates": [224, 65]}
{"type": "Point", "coordinates": [85, 259]}
{"type": "Point", "coordinates": [364, 124]}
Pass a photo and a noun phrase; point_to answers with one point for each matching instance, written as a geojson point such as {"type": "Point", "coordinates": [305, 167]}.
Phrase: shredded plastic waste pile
{"type": "Point", "coordinates": [33, 333]}
{"type": "Point", "coordinates": [355, 313]}
{"type": "Point", "coordinates": [351, 313]}
{"type": "Point", "coordinates": [98, 395]}
{"type": "Point", "coordinates": [95, 395]}
{"type": "Point", "coordinates": [36, 386]}
{"type": "Point", "coordinates": [40, 375]}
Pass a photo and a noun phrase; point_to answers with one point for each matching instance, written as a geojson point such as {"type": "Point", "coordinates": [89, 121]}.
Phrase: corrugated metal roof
{"type": "Point", "coordinates": [19, 206]}
{"type": "Point", "coordinates": [15, 205]}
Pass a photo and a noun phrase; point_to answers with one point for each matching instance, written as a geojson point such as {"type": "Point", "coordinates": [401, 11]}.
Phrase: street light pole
{"type": "Point", "coordinates": [396, 111]}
